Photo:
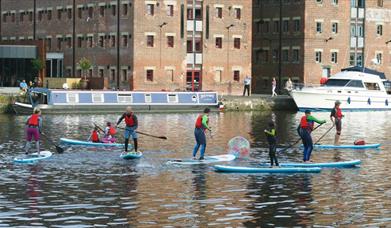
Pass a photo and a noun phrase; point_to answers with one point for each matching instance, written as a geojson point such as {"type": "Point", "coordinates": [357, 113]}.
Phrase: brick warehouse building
{"type": "Point", "coordinates": [141, 44]}
{"type": "Point", "coordinates": [318, 37]}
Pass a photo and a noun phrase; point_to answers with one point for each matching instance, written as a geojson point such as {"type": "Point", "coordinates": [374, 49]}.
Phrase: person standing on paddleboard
{"type": "Point", "coordinates": [305, 128]}
{"type": "Point", "coordinates": [336, 118]}
{"type": "Point", "coordinates": [272, 140]}
{"type": "Point", "coordinates": [33, 129]}
{"type": "Point", "coordinates": [201, 126]}
{"type": "Point", "coordinates": [131, 127]}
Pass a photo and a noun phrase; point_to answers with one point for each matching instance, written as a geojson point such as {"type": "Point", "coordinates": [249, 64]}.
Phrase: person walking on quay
{"type": "Point", "coordinates": [271, 139]}
{"type": "Point", "coordinates": [201, 126]}
{"type": "Point", "coordinates": [305, 128]}
{"type": "Point", "coordinates": [131, 127]}
{"type": "Point", "coordinates": [289, 85]}
{"type": "Point", "coordinates": [274, 85]}
{"type": "Point", "coordinates": [247, 84]}
{"type": "Point", "coordinates": [33, 129]}
{"type": "Point", "coordinates": [336, 118]}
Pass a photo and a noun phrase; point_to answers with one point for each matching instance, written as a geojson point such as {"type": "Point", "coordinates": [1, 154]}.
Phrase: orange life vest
{"type": "Point", "coordinates": [129, 120]}
{"type": "Point", "coordinates": [305, 124]}
{"type": "Point", "coordinates": [34, 121]}
{"type": "Point", "coordinates": [338, 113]}
{"type": "Point", "coordinates": [95, 136]}
{"type": "Point", "coordinates": [112, 131]}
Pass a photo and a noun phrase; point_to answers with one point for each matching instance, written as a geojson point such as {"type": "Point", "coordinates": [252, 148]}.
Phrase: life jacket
{"type": "Point", "coordinates": [198, 123]}
{"type": "Point", "coordinates": [112, 131]}
{"type": "Point", "coordinates": [33, 121]}
{"type": "Point", "coordinates": [338, 113]}
{"type": "Point", "coordinates": [95, 136]}
{"type": "Point", "coordinates": [129, 120]}
{"type": "Point", "coordinates": [305, 124]}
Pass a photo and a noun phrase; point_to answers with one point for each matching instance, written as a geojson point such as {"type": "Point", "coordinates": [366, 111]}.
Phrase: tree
{"type": "Point", "coordinates": [37, 65]}
{"type": "Point", "coordinates": [85, 65]}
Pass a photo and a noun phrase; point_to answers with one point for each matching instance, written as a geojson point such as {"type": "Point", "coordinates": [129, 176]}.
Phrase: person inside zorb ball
{"type": "Point", "coordinates": [239, 146]}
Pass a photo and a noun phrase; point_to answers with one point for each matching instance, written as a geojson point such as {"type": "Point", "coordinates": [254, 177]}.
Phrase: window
{"type": "Point", "coordinates": [276, 26]}
{"type": "Point", "coordinates": [124, 40]}
{"type": "Point", "coordinates": [198, 46]}
{"type": "Point", "coordinates": [237, 43]}
{"type": "Point", "coordinates": [40, 15]}
{"type": "Point", "coordinates": [296, 24]}
{"type": "Point", "coordinates": [102, 11]}
{"type": "Point", "coordinates": [295, 55]}
{"type": "Point", "coordinates": [69, 42]}
{"type": "Point", "coordinates": [372, 86]}
{"type": "Point", "coordinates": [112, 74]}
{"type": "Point", "coordinates": [238, 13]}
{"type": "Point", "coordinates": [124, 9]}
{"type": "Point", "coordinates": [113, 9]}
{"type": "Point", "coordinates": [30, 16]}
{"type": "Point", "coordinates": [101, 73]}
{"type": "Point", "coordinates": [170, 41]}
{"type": "Point", "coordinates": [79, 73]}
{"type": "Point", "coordinates": [266, 27]}
{"type": "Point", "coordinates": [337, 82]}
{"type": "Point", "coordinates": [150, 9]}
{"type": "Point", "coordinates": [124, 75]}
{"type": "Point", "coordinates": [59, 12]}
{"type": "Point", "coordinates": [275, 55]}
{"type": "Point", "coordinates": [149, 75]}
{"type": "Point", "coordinates": [112, 40]}
{"type": "Point", "coordinates": [101, 41]}
{"type": "Point", "coordinates": [69, 11]}
{"type": "Point", "coordinates": [355, 83]}
{"type": "Point", "coordinates": [219, 12]}
{"type": "Point", "coordinates": [89, 41]}
{"type": "Point", "coordinates": [265, 56]}
{"type": "Point", "coordinates": [90, 73]}
{"type": "Point", "coordinates": [21, 17]}
{"type": "Point", "coordinates": [170, 10]}
{"type": "Point", "coordinates": [49, 43]}
{"type": "Point", "coordinates": [5, 17]}
{"type": "Point", "coordinates": [285, 55]}
{"type": "Point", "coordinates": [379, 58]}
{"type": "Point", "coordinates": [90, 12]}
{"type": "Point", "coordinates": [319, 1]}
{"type": "Point", "coordinates": [170, 75]}
{"type": "Point", "coordinates": [79, 41]}
{"type": "Point", "coordinates": [49, 15]}
{"type": "Point", "coordinates": [59, 40]}
{"type": "Point", "coordinates": [150, 41]}
{"type": "Point", "coordinates": [334, 27]}
{"type": "Point", "coordinates": [380, 3]}
{"type": "Point", "coordinates": [80, 12]}
{"type": "Point", "coordinates": [13, 17]}
{"type": "Point", "coordinates": [236, 75]}
{"type": "Point", "coordinates": [335, 2]}
{"type": "Point", "coordinates": [318, 56]}
{"type": "Point", "coordinates": [334, 57]}
{"type": "Point", "coordinates": [285, 26]}
{"type": "Point", "coordinates": [379, 30]}
{"type": "Point", "coordinates": [219, 42]}
{"type": "Point", "coordinates": [319, 28]}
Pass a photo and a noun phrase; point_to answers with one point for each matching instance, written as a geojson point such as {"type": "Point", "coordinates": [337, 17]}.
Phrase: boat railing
{"type": "Point", "coordinates": [300, 86]}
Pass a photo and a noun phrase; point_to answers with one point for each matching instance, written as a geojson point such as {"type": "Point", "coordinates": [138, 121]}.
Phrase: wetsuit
{"type": "Point", "coordinates": [199, 133]}
{"type": "Point", "coordinates": [337, 114]}
{"type": "Point", "coordinates": [130, 130]}
{"type": "Point", "coordinates": [306, 126]}
{"type": "Point", "coordinates": [271, 138]}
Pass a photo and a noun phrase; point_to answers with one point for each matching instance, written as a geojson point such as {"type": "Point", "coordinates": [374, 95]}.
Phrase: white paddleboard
{"type": "Point", "coordinates": [207, 160]}
{"type": "Point", "coordinates": [33, 157]}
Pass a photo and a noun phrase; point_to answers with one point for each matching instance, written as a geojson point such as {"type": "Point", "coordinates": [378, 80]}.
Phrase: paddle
{"type": "Point", "coordinates": [324, 134]}
{"type": "Point", "coordinates": [146, 134]}
{"type": "Point", "coordinates": [99, 128]}
{"type": "Point", "coordinates": [298, 140]}
{"type": "Point", "coordinates": [58, 148]}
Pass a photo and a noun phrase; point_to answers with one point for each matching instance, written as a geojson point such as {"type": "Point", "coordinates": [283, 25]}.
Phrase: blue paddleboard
{"type": "Point", "coordinates": [241, 169]}
{"type": "Point", "coordinates": [30, 158]}
{"type": "Point", "coordinates": [208, 159]}
{"type": "Point", "coordinates": [89, 143]}
{"type": "Point", "coordinates": [131, 155]}
{"type": "Point", "coordinates": [366, 146]}
{"type": "Point", "coordinates": [343, 164]}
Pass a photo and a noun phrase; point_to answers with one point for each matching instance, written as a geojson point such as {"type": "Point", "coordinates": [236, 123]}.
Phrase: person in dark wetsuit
{"type": "Point", "coordinates": [131, 127]}
{"type": "Point", "coordinates": [271, 138]}
{"type": "Point", "coordinates": [336, 118]}
{"type": "Point", "coordinates": [305, 128]}
{"type": "Point", "coordinates": [201, 126]}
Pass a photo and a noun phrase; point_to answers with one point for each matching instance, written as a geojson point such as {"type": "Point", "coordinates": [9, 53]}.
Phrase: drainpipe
{"type": "Point", "coordinates": [34, 20]}
{"type": "Point", "coordinates": [73, 38]}
{"type": "Point", "coordinates": [118, 42]}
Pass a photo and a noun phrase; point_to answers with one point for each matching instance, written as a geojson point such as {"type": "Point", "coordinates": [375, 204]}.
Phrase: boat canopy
{"type": "Point", "coordinates": [366, 70]}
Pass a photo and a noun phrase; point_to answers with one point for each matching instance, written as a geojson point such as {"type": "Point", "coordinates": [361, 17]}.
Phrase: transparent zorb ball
{"type": "Point", "coordinates": [239, 146]}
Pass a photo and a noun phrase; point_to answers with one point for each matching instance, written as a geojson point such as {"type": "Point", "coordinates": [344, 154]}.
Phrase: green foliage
{"type": "Point", "coordinates": [85, 64]}
{"type": "Point", "coordinates": [37, 65]}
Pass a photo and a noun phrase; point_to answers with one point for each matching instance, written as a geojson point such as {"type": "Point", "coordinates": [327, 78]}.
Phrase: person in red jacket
{"type": "Point", "coordinates": [94, 137]}
{"type": "Point", "coordinates": [33, 129]}
{"type": "Point", "coordinates": [131, 127]}
{"type": "Point", "coordinates": [336, 118]}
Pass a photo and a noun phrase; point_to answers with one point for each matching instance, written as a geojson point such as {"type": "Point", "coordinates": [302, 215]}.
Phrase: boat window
{"type": "Point", "coordinates": [148, 98]}
{"type": "Point", "coordinates": [172, 98]}
{"type": "Point", "coordinates": [97, 98]}
{"type": "Point", "coordinates": [372, 86]}
{"type": "Point", "coordinates": [355, 83]}
{"type": "Point", "coordinates": [337, 82]}
{"type": "Point", "coordinates": [73, 98]}
{"type": "Point", "coordinates": [125, 98]}
{"type": "Point", "coordinates": [387, 85]}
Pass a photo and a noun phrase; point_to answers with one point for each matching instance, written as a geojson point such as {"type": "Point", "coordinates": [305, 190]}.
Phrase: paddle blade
{"type": "Point", "coordinates": [60, 150]}
{"type": "Point", "coordinates": [163, 137]}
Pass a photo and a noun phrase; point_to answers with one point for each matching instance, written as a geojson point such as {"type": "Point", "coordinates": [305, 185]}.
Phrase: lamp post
{"type": "Point", "coordinates": [160, 42]}
{"type": "Point", "coordinates": [228, 28]}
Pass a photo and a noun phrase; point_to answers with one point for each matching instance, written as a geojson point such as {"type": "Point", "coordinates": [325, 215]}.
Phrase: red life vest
{"type": "Point", "coordinates": [95, 136]}
{"type": "Point", "coordinates": [338, 113]}
{"type": "Point", "coordinates": [198, 123]}
{"type": "Point", "coordinates": [129, 120]}
{"type": "Point", "coordinates": [33, 121]}
{"type": "Point", "coordinates": [112, 131]}
{"type": "Point", "coordinates": [305, 124]}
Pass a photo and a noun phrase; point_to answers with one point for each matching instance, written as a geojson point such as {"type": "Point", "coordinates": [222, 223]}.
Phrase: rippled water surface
{"type": "Point", "coordinates": [94, 187]}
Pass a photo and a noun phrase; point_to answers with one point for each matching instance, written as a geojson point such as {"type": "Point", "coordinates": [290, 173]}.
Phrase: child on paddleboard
{"type": "Point", "coordinates": [272, 140]}
{"type": "Point", "coordinates": [94, 137]}
{"type": "Point", "coordinates": [109, 133]}
{"type": "Point", "coordinates": [33, 129]}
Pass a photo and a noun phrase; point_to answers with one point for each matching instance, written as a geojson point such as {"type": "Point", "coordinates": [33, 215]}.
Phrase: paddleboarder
{"type": "Point", "coordinates": [33, 129]}
{"type": "Point", "coordinates": [201, 126]}
{"type": "Point", "coordinates": [272, 140]}
{"type": "Point", "coordinates": [131, 127]}
{"type": "Point", "coordinates": [94, 136]}
{"type": "Point", "coordinates": [109, 133]}
{"type": "Point", "coordinates": [305, 128]}
{"type": "Point", "coordinates": [336, 119]}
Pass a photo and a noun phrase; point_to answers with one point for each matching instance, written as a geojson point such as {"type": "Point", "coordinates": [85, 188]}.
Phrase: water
{"type": "Point", "coordinates": [94, 187]}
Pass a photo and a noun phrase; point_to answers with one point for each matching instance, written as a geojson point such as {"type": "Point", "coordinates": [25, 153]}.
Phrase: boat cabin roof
{"type": "Point", "coordinates": [354, 75]}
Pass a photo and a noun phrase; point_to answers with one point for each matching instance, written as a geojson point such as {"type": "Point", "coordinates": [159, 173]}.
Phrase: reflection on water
{"type": "Point", "coordinates": [92, 187]}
